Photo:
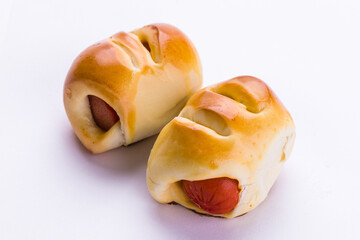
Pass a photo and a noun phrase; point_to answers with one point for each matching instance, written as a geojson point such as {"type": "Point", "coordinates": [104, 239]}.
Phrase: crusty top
{"type": "Point", "coordinates": [157, 54]}
{"type": "Point", "coordinates": [237, 129]}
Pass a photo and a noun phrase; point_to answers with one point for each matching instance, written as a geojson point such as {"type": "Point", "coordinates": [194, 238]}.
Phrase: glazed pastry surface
{"type": "Point", "coordinates": [144, 76]}
{"type": "Point", "coordinates": [237, 129]}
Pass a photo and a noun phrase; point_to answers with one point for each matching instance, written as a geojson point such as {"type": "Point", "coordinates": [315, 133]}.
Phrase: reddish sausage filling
{"type": "Point", "coordinates": [104, 116]}
{"type": "Point", "coordinates": [216, 195]}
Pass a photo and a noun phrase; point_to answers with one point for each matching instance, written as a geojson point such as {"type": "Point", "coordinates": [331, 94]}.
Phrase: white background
{"type": "Point", "coordinates": [52, 188]}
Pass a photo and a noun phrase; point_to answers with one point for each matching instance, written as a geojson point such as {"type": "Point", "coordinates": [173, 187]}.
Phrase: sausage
{"type": "Point", "coordinates": [216, 195]}
{"type": "Point", "coordinates": [104, 115]}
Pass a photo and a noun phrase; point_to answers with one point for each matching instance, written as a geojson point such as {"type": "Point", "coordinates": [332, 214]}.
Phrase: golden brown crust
{"type": "Point", "coordinates": [237, 129]}
{"type": "Point", "coordinates": [119, 70]}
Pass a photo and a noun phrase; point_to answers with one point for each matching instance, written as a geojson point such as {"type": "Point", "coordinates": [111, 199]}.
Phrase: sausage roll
{"type": "Point", "coordinates": [224, 151]}
{"type": "Point", "coordinates": [128, 86]}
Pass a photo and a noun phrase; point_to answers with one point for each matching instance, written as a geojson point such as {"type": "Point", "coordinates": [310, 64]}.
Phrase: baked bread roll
{"type": "Point", "coordinates": [224, 151]}
{"type": "Point", "coordinates": [127, 87]}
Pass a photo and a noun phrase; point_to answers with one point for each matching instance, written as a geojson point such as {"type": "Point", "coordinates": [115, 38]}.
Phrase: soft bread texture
{"type": "Point", "coordinates": [146, 76]}
{"type": "Point", "coordinates": [237, 129]}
